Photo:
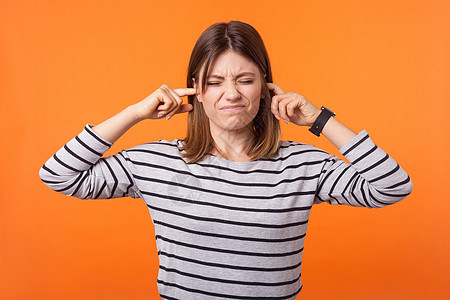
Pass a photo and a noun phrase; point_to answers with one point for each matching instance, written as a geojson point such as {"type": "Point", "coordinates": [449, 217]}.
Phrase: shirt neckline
{"type": "Point", "coordinates": [231, 162]}
{"type": "Point", "coordinates": [211, 158]}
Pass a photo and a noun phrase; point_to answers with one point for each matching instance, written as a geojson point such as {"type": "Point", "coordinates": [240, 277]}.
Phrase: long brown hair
{"type": "Point", "coordinates": [243, 39]}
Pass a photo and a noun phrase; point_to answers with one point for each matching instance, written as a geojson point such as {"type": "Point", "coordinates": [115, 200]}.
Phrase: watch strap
{"type": "Point", "coordinates": [321, 120]}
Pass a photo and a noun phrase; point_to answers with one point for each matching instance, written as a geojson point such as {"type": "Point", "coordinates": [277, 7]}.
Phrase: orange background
{"type": "Point", "coordinates": [382, 66]}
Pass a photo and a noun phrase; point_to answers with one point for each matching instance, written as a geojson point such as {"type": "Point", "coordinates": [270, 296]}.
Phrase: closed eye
{"type": "Point", "coordinates": [244, 82]}
{"type": "Point", "coordinates": [247, 81]}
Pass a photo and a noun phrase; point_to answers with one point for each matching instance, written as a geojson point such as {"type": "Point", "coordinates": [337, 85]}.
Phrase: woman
{"type": "Point", "coordinates": [231, 202]}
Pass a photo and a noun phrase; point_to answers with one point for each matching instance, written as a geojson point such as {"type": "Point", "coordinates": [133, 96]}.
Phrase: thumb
{"type": "Point", "coordinates": [184, 108]}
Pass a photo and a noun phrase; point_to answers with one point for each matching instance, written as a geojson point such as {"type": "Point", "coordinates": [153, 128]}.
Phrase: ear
{"type": "Point", "coordinates": [197, 95]}
{"type": "Point", "coordinates": [262, 92]}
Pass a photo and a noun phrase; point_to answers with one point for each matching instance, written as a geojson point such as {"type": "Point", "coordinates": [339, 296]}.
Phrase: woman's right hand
{"type": "Point", "coordinates": [164, 103]}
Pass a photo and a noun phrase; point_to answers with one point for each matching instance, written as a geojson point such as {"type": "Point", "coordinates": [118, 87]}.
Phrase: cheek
{"type": "Point", "coordinates": [251, 91]}
{"type": "Point", "coordinates": [208, 100]}
{"type": "Point", "coordinates": [255, 106]}
{"type": "Point", "coordinates": [211, 96]}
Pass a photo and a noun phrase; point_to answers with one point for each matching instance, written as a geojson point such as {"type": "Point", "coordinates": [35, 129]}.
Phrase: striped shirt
{"type": "Point", "coordinates": [227, 229]}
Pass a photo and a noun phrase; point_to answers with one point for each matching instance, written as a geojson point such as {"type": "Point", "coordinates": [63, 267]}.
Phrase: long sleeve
{"type": "Point", "coordinates": [78, 169]}
{"type": "Point", "coordinates": [372, 179]}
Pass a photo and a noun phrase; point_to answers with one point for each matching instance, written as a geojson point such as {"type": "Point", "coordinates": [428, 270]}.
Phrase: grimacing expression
{"type": "Point", "coordinates": [232, 96]}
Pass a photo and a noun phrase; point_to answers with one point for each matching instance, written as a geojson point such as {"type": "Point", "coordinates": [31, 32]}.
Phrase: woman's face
{"type": "Point", "coordinates": [233, 92]}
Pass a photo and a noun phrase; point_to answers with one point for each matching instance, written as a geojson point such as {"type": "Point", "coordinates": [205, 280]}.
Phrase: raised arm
{"type": "Point", "coordinates": [372, 179]}
{"type": "Point", "coordinates": [78, 169]}
{"type": "Point", "coordinates": [164, 102]}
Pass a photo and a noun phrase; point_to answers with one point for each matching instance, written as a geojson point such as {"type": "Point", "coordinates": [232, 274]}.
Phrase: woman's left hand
{"type": "Point", "coordinates": [292, 107]}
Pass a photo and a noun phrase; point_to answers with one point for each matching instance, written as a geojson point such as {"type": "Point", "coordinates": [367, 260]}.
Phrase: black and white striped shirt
{"type": "Point", "coordinates": [226, 229]}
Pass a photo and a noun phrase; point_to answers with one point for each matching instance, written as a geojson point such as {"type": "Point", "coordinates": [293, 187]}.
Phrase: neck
{"type": "Point", "coordinates": [232, 144]}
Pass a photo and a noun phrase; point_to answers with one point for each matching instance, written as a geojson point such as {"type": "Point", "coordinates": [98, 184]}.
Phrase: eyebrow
{"type": "Point", "coordinates": [237, 76]}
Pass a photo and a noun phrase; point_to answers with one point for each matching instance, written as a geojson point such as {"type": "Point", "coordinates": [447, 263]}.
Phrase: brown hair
{"type": "Point", "coordinates": [243, 39]}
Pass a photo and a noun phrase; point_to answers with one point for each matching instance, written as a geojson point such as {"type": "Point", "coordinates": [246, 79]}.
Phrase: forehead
{"type": "Point", "coordinates": [231, 63]}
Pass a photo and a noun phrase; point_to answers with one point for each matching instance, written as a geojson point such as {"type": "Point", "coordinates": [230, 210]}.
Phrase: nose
{"type": "Point", "coordinates": [231, 92]}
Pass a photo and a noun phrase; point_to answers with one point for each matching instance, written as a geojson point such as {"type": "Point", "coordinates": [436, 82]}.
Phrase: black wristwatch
{"type": "Point", "coordinates": [321, 120]}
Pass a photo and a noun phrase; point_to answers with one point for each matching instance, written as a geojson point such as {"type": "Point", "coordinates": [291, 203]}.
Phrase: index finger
{"type": "Point", "coordinates": [185, 91]}
{"type": "Point", "coordinates": [275, 88]}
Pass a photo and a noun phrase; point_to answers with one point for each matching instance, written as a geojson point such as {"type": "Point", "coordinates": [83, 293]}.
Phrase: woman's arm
{"type": "Point", "coordinates": [78, 168]}
{"type": "Point", "coordinates": [373, 179]}
{"type": "Point", "coordinates": [164, 102]}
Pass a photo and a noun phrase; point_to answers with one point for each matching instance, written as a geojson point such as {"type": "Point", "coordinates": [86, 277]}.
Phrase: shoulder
{"type": "Point", "coordinates": [288, 148]}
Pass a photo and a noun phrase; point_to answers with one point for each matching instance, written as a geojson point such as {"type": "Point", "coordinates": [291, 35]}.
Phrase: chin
{"type": "Point", "coordinates": [237, 124]}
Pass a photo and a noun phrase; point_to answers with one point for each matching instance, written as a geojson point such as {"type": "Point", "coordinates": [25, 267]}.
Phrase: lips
{"type": "Point", "coordinates": [233, 107]}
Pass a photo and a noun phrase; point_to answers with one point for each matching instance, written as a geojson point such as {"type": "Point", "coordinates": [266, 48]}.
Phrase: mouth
{"type": "Point", "coordinates": [233, 107]}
